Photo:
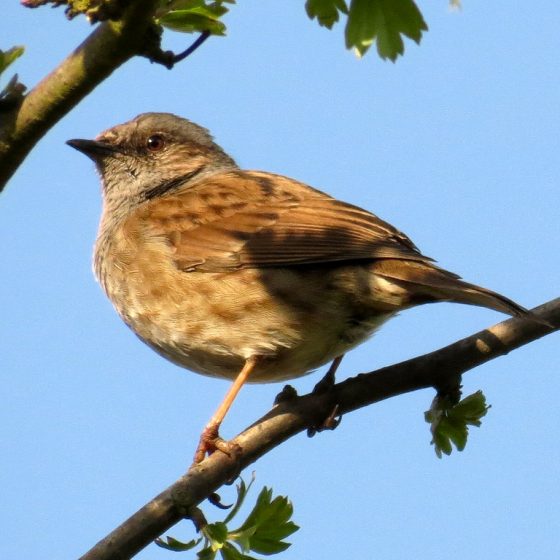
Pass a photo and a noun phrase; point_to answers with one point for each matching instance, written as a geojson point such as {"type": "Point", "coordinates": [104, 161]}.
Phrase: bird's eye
{"type": "Point", "coordinates": [155, 143]}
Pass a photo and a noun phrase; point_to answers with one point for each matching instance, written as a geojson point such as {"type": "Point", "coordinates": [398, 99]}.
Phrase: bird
{"type": "Point", "coordinates": [246, 275]}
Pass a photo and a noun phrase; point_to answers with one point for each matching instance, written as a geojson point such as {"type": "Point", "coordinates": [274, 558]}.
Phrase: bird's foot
{"type": "Point", "coordinates": [326, 385]}
{"type": "Point", "coordinates": [331, 422]}
{"type": "Point", "coordinates": [210, 441]}
{"type": "Point", "coordinates": [329, 380]}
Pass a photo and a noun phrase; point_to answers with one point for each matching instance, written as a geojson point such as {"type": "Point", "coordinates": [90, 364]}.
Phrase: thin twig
{"type": "Point", "coordinates": [181, 56]}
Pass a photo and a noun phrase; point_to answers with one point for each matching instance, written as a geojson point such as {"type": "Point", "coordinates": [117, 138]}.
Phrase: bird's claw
{"type": "Point", "coordinates": [331, 422]}
{"type": "Point", "coordinates": [216, 500]}
{"type": "Point", "coordinates": [210, 441]}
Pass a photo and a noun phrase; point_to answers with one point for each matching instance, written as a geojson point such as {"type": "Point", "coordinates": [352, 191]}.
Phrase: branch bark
{"type": "Point", "coordinates": [287, 419]}
{"type": "Point", "coordinates": [109, 46]}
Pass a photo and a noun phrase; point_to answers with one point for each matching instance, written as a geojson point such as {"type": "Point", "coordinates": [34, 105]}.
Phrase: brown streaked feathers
{"type": "Point", "coordinates": [227, 223]}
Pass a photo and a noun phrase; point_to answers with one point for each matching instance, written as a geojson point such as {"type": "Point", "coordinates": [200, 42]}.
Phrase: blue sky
{"type": "Point", "coordinates": [456, 144]}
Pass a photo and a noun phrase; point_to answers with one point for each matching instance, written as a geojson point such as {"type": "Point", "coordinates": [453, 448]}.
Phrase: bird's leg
{"type": "Point", "coordinates": [210, 439]}
{"type": "Point", "coordinates": [325, 385]}
{"type": "Point", "coordinates": [327, 382]}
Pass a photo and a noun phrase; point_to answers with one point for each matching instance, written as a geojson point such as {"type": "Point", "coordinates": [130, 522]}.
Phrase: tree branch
{"type": "Point", "coordinates": [109, 46]}
{"type": "Point", "coordinates": [290, 417]}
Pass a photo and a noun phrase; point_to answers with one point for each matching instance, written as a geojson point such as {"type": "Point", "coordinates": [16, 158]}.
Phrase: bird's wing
{"type": "Point", "coordinates": [253, 220]}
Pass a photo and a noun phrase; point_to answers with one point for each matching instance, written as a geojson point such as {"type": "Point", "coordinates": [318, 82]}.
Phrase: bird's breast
{"type": "Point", "coordinates": [295, 319]}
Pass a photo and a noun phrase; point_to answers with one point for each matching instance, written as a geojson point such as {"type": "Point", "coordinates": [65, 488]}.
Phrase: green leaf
{"type": "Point", "coordinates": [472, 408]}
{"type": "Point", "coordinates": [216, 8]}
{"type": "Point", "coordinates": [383, 22]}
{"type": "Point", "coordinates": [263, 501]}
{"type": "Point", "coordinates": [190, 16]}
{"type": "Point", "coordinates": [212, 11]}
{"type": "Point", "coordinates": [268, 546]}
{"type": "Point", "coordinates": [449, 423]}
{"type": "Point", "coordinates": [187, 22]}
{"type": "Point", "coordinates": [243, 538]}
{"type": "Point", "coordinates": [242, 490]}
{"type": "Point", "coordinates": [7, 57]}
{"type": "Point", "coordinates": [267, 525]}
{"type": "Point", "coordinates": [455, 431]}
{"type": "Point", "coordinates": [173, 544]}
{"type": "Point", "coordinates": [216, 533]}
{"type": "Point", "coordinates": [442, 444]}
{"type": "Point", "coordinates": [206, 554]}
{"type": "Point", "coordinates": [229, 552]}
{"type": "Point", "coordinates": [326, 11]}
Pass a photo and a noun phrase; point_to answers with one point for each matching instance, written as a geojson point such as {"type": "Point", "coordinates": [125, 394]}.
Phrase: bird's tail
{"type": "Point", "coordinates": [425, 282]}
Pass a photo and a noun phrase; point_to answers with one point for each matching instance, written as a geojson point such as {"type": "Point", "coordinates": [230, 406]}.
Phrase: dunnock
{"type": "Point", "coordinates": [246, 275]}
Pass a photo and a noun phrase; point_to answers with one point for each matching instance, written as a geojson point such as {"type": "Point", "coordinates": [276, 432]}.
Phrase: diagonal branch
{"type": "Point", "coordinates": [109, 46]}
{"type": "Point", "coordinates": [287, 419]}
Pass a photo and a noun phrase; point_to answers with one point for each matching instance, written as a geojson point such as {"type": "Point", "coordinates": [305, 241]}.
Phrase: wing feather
{"type": "Point", "coordinates": [253, 219]}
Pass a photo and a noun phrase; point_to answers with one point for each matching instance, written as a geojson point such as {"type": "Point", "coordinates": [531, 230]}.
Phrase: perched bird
{"type": "Point", "coordinates": [246, 275]}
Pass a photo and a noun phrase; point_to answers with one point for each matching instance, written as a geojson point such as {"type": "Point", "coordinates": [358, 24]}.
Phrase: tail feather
{"type": "Point", "coordinates": [426, 282]}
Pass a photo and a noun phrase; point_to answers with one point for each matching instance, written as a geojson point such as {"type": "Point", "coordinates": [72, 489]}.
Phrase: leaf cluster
{"type": "Point", "coordinates": [193, 16]}
{"type": "Point", "coordinates": [383, 22]}
{"type": "Point", "coordinates": [263, 531]}
{"type": "Point", "coordinates": [449, 422]}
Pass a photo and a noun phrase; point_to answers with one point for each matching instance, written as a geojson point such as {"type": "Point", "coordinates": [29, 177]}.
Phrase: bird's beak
{"type": "Point", "coordinates": [92, 148]}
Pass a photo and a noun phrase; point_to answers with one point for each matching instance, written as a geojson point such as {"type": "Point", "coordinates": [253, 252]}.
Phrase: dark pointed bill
{"type": "Point", "coordinates": [92, 148]}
